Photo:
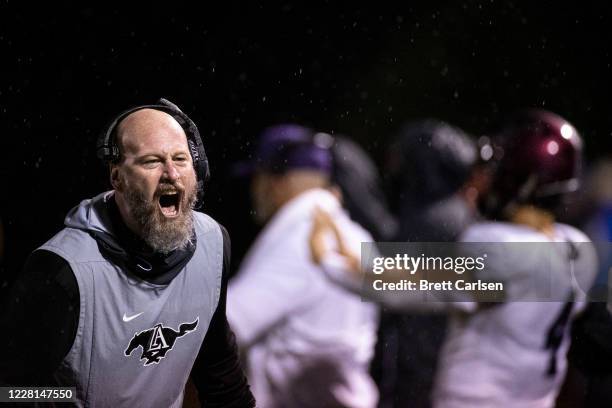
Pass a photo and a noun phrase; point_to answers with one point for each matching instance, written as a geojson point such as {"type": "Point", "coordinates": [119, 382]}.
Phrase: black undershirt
{"type": "Point", "coordinates": [39, 319]}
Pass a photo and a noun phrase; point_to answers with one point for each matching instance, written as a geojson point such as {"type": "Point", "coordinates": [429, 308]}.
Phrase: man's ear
{"type": "Point", "coordinates": [115, 178]}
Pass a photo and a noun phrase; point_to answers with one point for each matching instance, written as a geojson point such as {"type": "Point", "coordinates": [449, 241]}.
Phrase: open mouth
{"type": "Point", "coordinates": [169, 203]}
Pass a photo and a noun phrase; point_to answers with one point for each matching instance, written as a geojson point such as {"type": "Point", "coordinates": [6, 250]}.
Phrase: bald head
{"type": "Point", "coordinates": [135, 130]}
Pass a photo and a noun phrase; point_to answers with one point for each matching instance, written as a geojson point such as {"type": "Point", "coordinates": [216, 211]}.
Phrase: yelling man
{"type": "Point", "coordinates": [128, 299]}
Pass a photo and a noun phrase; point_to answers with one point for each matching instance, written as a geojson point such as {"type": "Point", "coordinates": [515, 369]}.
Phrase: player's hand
{"type": "Point", "coordinates": [323, 226]}
{"type": "Point", "coordinates": [317, 243]}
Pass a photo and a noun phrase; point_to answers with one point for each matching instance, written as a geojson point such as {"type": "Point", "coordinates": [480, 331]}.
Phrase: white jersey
{"type": "Point", "coordinates": [513, 354]}
{"type": "Point", "coordinates": [308, 341]}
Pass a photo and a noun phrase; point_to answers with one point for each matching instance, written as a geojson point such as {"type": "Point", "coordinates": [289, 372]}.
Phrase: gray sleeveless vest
{"type": "Point", "coordinates": [136, 342]}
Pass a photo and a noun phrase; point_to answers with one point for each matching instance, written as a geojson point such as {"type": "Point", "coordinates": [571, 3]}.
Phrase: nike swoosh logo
{"type": "Point", "coordinates": [127, 319]}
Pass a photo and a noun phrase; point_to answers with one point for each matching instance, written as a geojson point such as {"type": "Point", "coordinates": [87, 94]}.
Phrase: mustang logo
{"type": "Point", "coordinates": [157, 341]}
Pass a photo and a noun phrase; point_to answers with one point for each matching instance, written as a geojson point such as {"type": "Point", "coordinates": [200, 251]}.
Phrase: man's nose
{"type": "Point", "coordinates": [170, 171]}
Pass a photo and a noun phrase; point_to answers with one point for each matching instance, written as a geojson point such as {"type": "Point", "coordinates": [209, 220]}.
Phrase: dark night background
{"type": "Point", "coordinates": [346, 68]}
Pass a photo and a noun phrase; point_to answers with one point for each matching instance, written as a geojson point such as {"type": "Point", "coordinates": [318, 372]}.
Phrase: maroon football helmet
{"type": "Point", "coordinates": [534, 158]}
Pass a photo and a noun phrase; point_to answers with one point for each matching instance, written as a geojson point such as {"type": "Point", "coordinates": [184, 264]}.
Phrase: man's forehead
{"type": "Point", "coordinates": [141, 126]}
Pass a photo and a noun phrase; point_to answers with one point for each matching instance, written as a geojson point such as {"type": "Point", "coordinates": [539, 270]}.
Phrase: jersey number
{"type": "Point", "coordinates": [555, 336]}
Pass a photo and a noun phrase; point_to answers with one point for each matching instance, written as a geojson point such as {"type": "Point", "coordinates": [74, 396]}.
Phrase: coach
{"type": "Point", "coordinates": [128, 299]}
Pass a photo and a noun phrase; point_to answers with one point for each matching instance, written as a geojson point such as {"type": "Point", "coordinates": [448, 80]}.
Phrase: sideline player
{"type": "Point", "coordinates": [512, 354]}
{"type": "Point", "coordinates": [308, 342]}
{"type": "Point", "coordinates": [430, 170]}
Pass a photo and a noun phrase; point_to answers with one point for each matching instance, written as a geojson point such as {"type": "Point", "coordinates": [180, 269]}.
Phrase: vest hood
{"type": "Point", "coordinates": [91, 215]}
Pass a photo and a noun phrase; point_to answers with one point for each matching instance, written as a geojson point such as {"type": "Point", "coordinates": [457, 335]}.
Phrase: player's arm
{"type": "Point", "coordinates": [343, 258]}
{"type": "Point", "coordinates": [217, 372]}
{"type": "Point", "coordinates": [343, 267]}
{"type": "Point", "coordinates": [39, 320]}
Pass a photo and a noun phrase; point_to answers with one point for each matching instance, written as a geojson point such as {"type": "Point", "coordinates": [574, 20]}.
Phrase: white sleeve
{"type": "Point", "coordinates": [336, 269]}
{"type": "Point", "coordinates": [266, 294]}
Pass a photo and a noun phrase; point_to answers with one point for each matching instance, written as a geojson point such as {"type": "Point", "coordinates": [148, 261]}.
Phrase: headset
{"type": "Point", "coordinates": [108, 151]}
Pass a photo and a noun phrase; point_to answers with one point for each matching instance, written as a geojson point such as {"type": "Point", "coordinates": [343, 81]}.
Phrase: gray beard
{"type": "Point", "coordinates": [160, 233]}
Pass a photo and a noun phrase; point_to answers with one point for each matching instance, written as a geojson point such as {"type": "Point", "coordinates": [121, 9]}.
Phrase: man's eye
{"type": "Point", "coordinates": [151, 161]}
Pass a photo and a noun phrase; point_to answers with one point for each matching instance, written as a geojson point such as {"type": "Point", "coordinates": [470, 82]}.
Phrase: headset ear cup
{"type": "Point", "coordinates": [200, 160]}
{"type": "Point", "coordinates": [106, 149]}
{"type": "Point", "coordinates": [202, 175]}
